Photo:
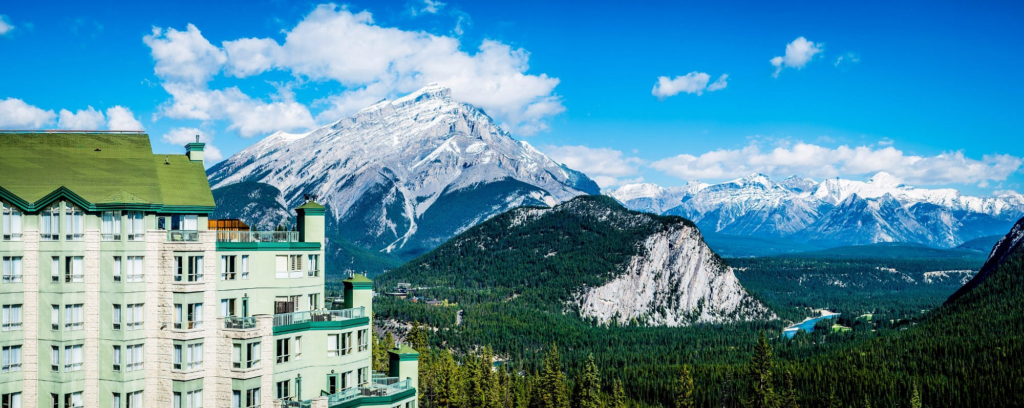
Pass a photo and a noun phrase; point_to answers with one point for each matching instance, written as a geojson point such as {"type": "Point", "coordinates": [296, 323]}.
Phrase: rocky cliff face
{"type": "Point", "coordinates": [675, 280]}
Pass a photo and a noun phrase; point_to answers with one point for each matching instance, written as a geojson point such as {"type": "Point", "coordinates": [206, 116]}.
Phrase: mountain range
{"type": "Point", "coordinates": [832, 212]}
{"type": "Point", "coordinates": [398, 178]}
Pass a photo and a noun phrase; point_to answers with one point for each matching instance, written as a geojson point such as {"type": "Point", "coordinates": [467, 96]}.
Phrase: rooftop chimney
{"type": "Point", "coordinates": [194, 151]}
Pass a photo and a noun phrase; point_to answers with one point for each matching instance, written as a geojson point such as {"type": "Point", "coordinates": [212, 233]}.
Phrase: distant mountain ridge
{"type": "Point", "coordinates": [401, 176]}
{"type": "Point", "coordinates": [831, 212]}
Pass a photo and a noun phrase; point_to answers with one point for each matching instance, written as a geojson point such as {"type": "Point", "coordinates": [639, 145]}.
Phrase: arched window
{"type": "Point", "coordinates": [12, 223]}
{"type": "Point", "coordinates": [73, 222]}
{"type": "Point", "coordinates": [49, 226]}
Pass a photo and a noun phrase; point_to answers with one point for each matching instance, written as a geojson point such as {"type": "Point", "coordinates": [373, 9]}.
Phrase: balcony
{"type": "Point", "coordinates": [182, 236]}
{"type": "Point", "coordinates": [240, 323]}
{"type": "Point", "coordinates": [286, 319]}
{"type": "Point", "coordinates": [257, 236]}
{"type": "Point", "coordinates": [378, 387]}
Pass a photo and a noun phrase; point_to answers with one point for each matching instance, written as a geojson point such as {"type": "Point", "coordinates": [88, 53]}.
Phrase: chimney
{"type": "Point", "coordinates": [194, 151]}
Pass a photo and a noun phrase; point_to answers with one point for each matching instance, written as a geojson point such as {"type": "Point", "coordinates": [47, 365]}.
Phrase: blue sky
{"type": "Point", "coordinates": [926, 91]}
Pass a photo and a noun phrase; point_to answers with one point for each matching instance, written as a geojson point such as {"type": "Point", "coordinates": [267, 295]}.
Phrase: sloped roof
{"type": "Point", "coordinates": [97, 168]}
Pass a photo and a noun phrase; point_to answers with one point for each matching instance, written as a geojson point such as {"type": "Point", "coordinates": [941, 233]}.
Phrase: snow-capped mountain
{"type": "Point", "coordinates": [403, 176]}
{"type": "Point", "coordinates": [833, 211]}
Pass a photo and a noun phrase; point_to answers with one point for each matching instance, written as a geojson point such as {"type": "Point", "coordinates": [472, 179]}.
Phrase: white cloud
{"type": "Point", "coordinates": [798, 54]}
{"type": "Point", "coordinates": [184, 135]}
{"type": "Point", "coordinates": [16, 114]}
{"type": "Point", "coordinates": [5, 25]}
{"type": "Point", "coordinates": [83, 119]}
{"type": "Point", "coordinates": [809, 160]}
{"type": "Point", "coordinates": [428, 6]}
{"type": "Point", "coordinates": [371, 62]}
{"type": "Point", "coordinates": [248, 116]}
{"type": "Point", "coordinates": [848, 58]}
{"type": "Point", "coordinates": [692, 83]}
{"type": "Point", "coordinates": [607, 167]}
{"type": "Point", "coordinates": [121, 118]}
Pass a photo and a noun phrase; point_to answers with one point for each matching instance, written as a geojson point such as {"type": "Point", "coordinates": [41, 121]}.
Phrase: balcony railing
{"type": "Point", "coordinates": [182, 236]}
{"type": "Point", "coordinates": [257, 236]}
{"type": "Point", "coordinates": [240, 323]}
{"type": "Point", "coordinates": [285, 319]}
{"type": "Point", "coordinates": [379, 387]}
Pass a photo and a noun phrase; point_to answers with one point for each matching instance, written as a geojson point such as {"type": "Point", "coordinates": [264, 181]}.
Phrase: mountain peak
{"type": "Point", "coordinates": [431, 91]}
{"type": "Point", "coordinates": [885, 180]}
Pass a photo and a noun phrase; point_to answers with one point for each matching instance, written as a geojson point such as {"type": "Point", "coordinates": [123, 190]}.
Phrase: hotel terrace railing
{"type": "Point", "coordinates": [240, 323]}
{"type": "Point", "coordinates": [182, 236]}
{"type": "Point", "coordinates": [378, 387]}
{"type": "Point", "coordinates": [322, 315]}
{"type": "Point", "coordinates": [257, 236]}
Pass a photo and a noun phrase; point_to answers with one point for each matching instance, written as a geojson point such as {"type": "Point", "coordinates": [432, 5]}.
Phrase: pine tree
{"type": "Point", "coordinates": [588, 386]}
{"type": "Point", "coordinates": [618, 396]}
{"type": "Point", "coordinates": [476, 395]}
{"type": "Point", "coordinates": [684, 390]}
{"type": "Point", "coordinates": [552, 389]}
{"type": "Point", "coordinates": [833, 399]}
{"type": "Point", "coordinates": [867, 402]}
{"type": "Point", "coordinates": [915, 397]}
{"type": "Point", "coordinates": [789, 397]}
{"type": "Point", "coordinates": [380, 352]}
{"type": "Point", "coordinates": [763, 395]}
{"type": "Point", "coordinates": [446, 379]}
{"type": "Point", "coordinates": [418, 337]}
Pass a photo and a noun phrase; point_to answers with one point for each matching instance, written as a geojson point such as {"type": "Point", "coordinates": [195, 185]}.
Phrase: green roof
{"type": "Point", "coordinates": [403, 349]}
{"type": "Point", "coordinates": [310, 205]}
{"type": "Point", "coordinates": [357, 278]}
{"type": "Point", "coordinates": [93, 169]}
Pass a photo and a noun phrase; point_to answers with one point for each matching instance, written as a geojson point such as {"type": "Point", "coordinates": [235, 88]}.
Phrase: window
{"type": "Point", "coordinates": [73, 269]}
{"type": "Point", "coordinates": [73, 317]}
{"type": "Point", "coordinates": [110, 229]}
{"type": "Point", "coordinates": [49, 229]}
{"type": "Point", "coordinates": [115, 400]}
{"type": "Point", "coordinates": [332, 384]}
{"type": "Point", "coordinates": [361, 375]}
{"type": "Point", "coordinates": [250, 358]}
{"type": "Point", "coordinates": [314, 301]}
{"type": "Point", "coordinates": [227, 267]}
{"type": "Point", "coordinates": [187, 222]}
{"type": "Point", "coordinates": [136, 226]}
{"type": "Point", "coordinates": [117, 269]}
{"type": "Point", "coordinates": [12, 269]}
{"type": "Point", "coordinates": [73, 358]}
{"type": "Point", "coordinates": [298, 347]}
{"type": "Point", "coordinates": [54, 358]}
{"type": "Point", "coordinates": [281, 267]}
{"type": "Point", "coordinates": [133, 357]}
{"type": "Point", "coordinates": [188, 316]}
{"type": "Point", "coordinates": [189, 269]}
{"type": "Point", "coordinates": [363, 338]}
{"type": "Point", "coordinates": [252, 398]}
{"type": "Point", "coordinates": [55, 399]}
{"type": "Point", "coordinates": [11, 359]}
{"type": "Point", "coordinates": [12, 400]}
{"type": "Point", "coordinates": [135, 268]}
{"type": "Point", "coordinates": [73, 400]}
{"type": "Point", "coordinates": [245, 266]}
{"type": "Point", "coordinates": [179, 357]}
{"type": "Point", "coordinates": [284, 389]}
{"type": "Point", "coordinates": [55, 317]}
{"type": "Point", "coordinates": [195, 356]}
{"type": "Point", "coordinates": [236, 399]}
{"type": "Point", "coordinates": [295, 266]}
{"type": "Point", "coordinates": [227, 307]}
{"type": "Point", "coordinates": [313, 267]}
{"type": "Point", "coordinates": [134, 315]}
{"type": "Point", "coordinates": [73, 222]}
{"type": "Point", "coordinates": [346, 343]}
{"type": "Point", "coordinates": [346, 380]}
{"type": "Point", "coordinates": [12, 223]}
{"type": "Point", "coordinates": [117, 358]}
{"type": "Point", "coordinates": [116, 317]}
{"type": "Point", "coordinates": [134, 399]}
{"type": "Point", "coordinates": [11, 317]}
{"type": "Point", "coordinates": [282, 350]}
{"type": "Point", "coordinates": [333, 346]}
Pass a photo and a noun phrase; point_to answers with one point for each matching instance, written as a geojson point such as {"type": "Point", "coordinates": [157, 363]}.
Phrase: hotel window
{"type": "Point", "coordinates": [281, 267]}
{"type": "Point", "coordinates": [11, 359]}
{"type": "Point", "coordinates": [295, 263]}
{"type": "Point", "coordinates": [252, 398]}
{"type": "Point", "coordinates": [55, 269]}
{"type": "Point", "coordinates": [227, 307]}
{"type": "Point", "coordinates": [313, 267]}
{"type": "Point", "coordinates": [11, 317]}
{"type": "Point", "coordinates": [73, 269]}
{"type": "Point", "coordinates": [116, 317]}
{"type": "Point", "coordinates": [189, 399]}
{"type": "Point", "coordinates": [73, 222]}
{"type": "Point", "coordinates": [12, 223]}
{"type": "Point", "coordinates": [12, 269]}
{"type": "Point", "coordinates": [332, 384]}
{"type": "Point", "coordinates": [283, 354]}
{"type": "Point", "coordinates": [73, 358]}
{"type": "Point", "coordinates": [55, 317]}
{"type": "Point", "coordinates": [346, 380]}
{"type": "Point", "coordinates": [135, 270]}
{"type": "Point", "coordinates": [54, 358]}
{"type": "Point", "coordinates": [284, 389]}
{"type": "Point", "coordinates": [236, 399]}
{"type": "Point", "coordinates": [188, 316]}
{"type": "Point", "coordinates": [250, 359]}
{"type": "Point", "coordinates": [346, 343]}
{"type": "Point", "coordinates": [188, 357]}
{"type": "Point", "coordinates": [74, 319]}
{"type": "Point", "coordinates": [134, 315]}
{"type": "Point", "coordinates": [245, 266]}
{"type": "Point", "coordinates": [361, 375]}
{"type": "Point", "coordinates": [133, 357]}
{"type": "Point", "coordinates": [55, 400]}
{"type": "Point", "coordinates": [227, 267]}
{"type": "Point", "coordinates": [49, 229]}
{"type": "Point", "coordinates": [298, 347]}
{"type": "Point", "coordinates": [136, 225]}
{"type": "Point", "coordinates": [110, 229]}
{"type": "Point", "coordinates": [117, 358]}
{"type": "Point", "coordinates": [363, 338]}
{"type": "Point", "coordinates": [188, 268]}
{"type": "Point", "coordinates": [115, 400]}
{"type": "Point", "coordinates": [12, 400]}
{"type": "Point", "coordinates": [73, 400]}
{"type": "Point", "coordinates": [333, 346]}
{"type": "Point", "coordinates": [134, 399]}
{"type": "Point", "coordinates": [314, 301]}
{"type": "Point", "coordinates": [117, 269]}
